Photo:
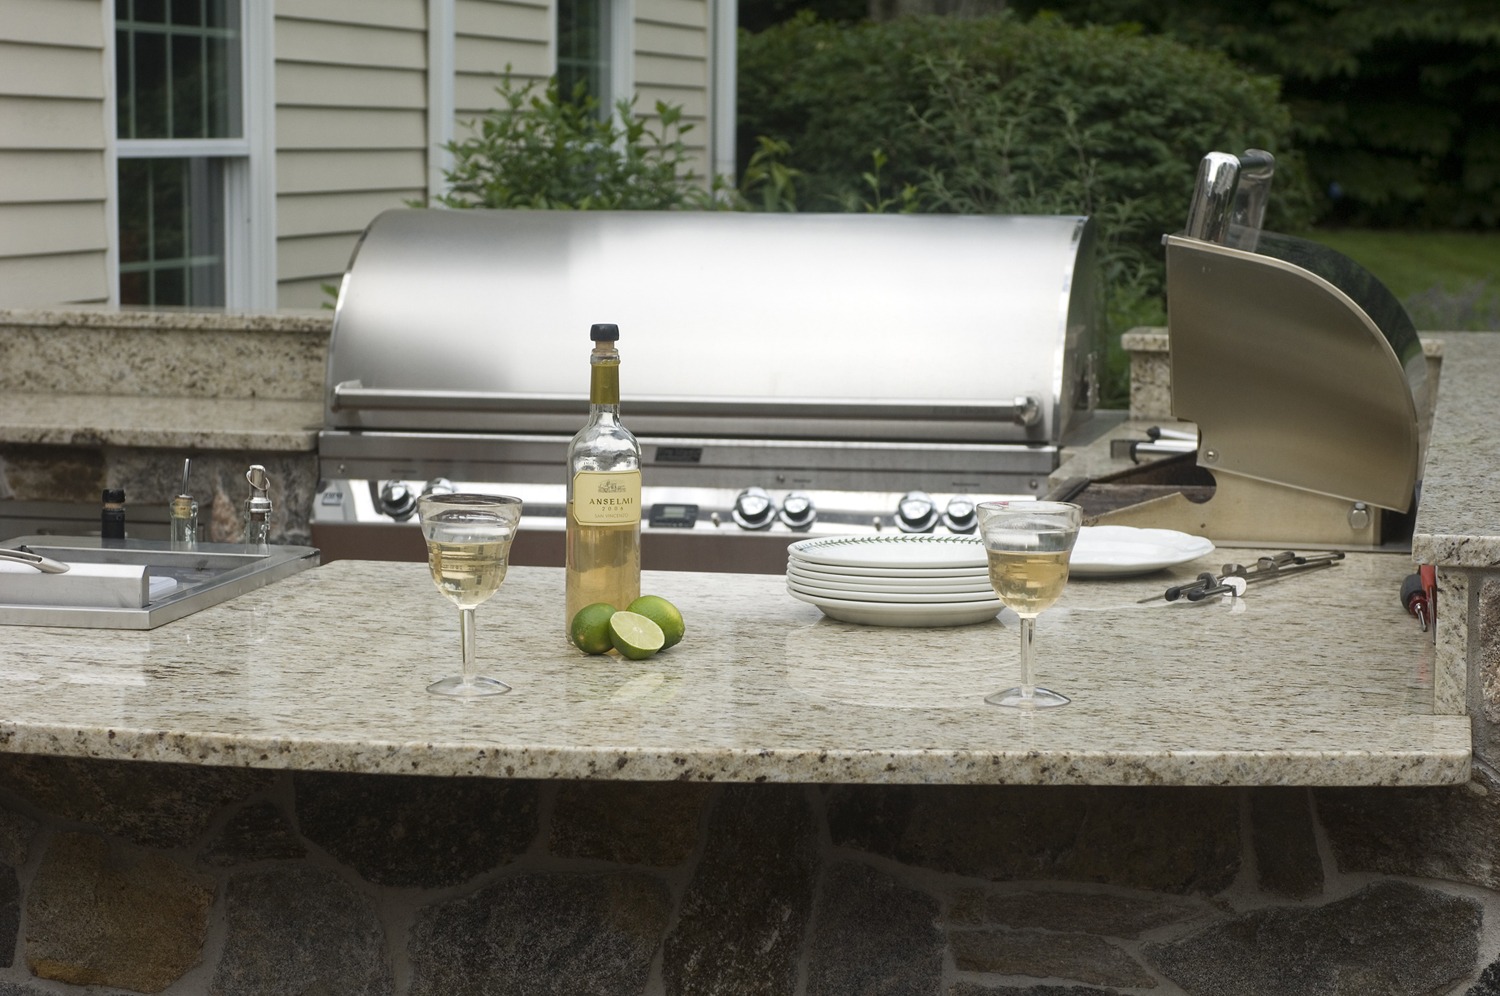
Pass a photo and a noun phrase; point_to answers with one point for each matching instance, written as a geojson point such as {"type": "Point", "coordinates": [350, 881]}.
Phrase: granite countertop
{"type": "Point", "coordinates": [262, 424]}
{"type": "Point", "coordinates": [1458, 519]}
{"type": "Point", "coordinates": [1319, 680]}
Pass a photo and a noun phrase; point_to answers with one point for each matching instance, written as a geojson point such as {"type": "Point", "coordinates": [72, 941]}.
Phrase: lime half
{"type": "Point", "coordinates": [664, 614]}
{"type": "Point", "coordinates": [635, 636]}
{"type": "Point", "coordinates": [589, 630]}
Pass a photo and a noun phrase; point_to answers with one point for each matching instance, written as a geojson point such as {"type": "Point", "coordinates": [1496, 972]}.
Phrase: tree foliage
{"type": "Point", "coordinates": [1396, 102]}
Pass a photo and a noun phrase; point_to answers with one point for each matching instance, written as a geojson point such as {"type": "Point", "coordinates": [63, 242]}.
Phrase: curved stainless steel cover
{"type": "Point", "coordinates": [965, 314]}
{"type": "Point", "coordinates": [1289, 379]}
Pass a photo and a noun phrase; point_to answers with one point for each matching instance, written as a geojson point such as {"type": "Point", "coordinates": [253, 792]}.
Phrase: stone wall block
{"type": "Point", "coordinates": [1105, 914]}
{"type": "Point", "coordinates": [1287, 862]}
{"type": "Point", "coordinates": [409, 831]}
{"type": "Point", "coordinates": [1444, 833]}
{"type": "Point", "coordinates": [741, 922]}
{"type": "Point", "coordinates": [155, 805]}
{"type": "Point", "coordinates": [974, 989]}
{"type": "Point", "coordinates": [1391, 938]}
{"type": "Point", "coordinates": [1043, 954]}
{"type": "Point", "coordinates": [16, 832]}
{"type": "Point", "coordinates": [634, 823]}
{"type": "Point", "coordinates": [1177, 840]}
{"type": "Point", "coordinates": [104, 914]}
{"type": "Point", "coordinates": [218, 482]}
{"type": "Point", "coordinates": [256, 833]}
{"type": "Point", "coordinates": [874, 937]}
{"type": "Point", "coordinates": [542, 935]}
{"type": "Point", "coordinates": [1487, 653]}
{"type": "Point", "coordinates": [295, 929]}
{"type": "Point", "coordinates": [10, 915]}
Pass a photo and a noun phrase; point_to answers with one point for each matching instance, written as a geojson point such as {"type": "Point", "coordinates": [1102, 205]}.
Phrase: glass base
{"type": "Point", "coordinates": [459, 688]}
{"type": "Point", "coordinates": [1040, 698]}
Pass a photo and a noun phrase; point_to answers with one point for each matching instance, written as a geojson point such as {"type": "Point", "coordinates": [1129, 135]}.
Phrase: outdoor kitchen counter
{"type": "Point", "coordinates": [260, 424]}
{"type": "Point", "coordinates": [1318, 680]}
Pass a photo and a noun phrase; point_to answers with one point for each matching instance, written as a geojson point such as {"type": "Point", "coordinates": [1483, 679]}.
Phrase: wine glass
{"type": "Point", "coordinates": [1028, 544]}
{"type": "Point", "coordinates": [468, 549]}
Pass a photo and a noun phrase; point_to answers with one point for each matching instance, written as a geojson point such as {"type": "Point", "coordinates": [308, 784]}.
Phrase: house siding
{"type": "Point", "coordinates": [493, 37]}
{"type": "Point", "coordinates": [350, 120]}
{"type": "Point", "coordinates": [350, 131]}
{"type": "Point", "coordinates": [672, 48]}
{"type": "Point", "coordinates": [54, 227]}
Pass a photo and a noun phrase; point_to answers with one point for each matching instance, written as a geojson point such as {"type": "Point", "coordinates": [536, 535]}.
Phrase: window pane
{"type": "Point", "coordinates": [180, 70]}
{"type": "Point", "coordinates": [583, 49]}
{"type": "Point", "coordinates": [171, 232]}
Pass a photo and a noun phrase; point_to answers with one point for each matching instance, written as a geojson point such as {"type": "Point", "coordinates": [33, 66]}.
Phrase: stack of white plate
{"type": "Point", "coordinates": [915, 579]}
{"type": "Point", "coordinates": [924, 579]}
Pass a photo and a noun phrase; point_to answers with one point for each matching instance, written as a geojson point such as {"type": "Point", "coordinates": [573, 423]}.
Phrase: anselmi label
{"type": "Point", "coordinates": [607, 499]}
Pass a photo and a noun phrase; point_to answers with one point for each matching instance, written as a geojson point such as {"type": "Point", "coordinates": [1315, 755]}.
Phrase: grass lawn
{"type": "Point", "coordinates": [1446, 280]}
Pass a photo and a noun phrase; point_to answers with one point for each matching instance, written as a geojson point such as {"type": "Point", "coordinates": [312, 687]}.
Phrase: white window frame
{"type": "Point", "coordinates": [249, 166]}
{"type": "Point", "coordinates": [621, 50]}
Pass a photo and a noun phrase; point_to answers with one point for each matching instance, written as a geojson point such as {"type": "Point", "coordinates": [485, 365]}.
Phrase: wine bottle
{"type": "Point", "coordinates": [604, 492]}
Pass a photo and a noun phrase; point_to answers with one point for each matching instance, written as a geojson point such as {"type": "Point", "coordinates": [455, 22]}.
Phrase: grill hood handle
{"type": "Point", "coordinates": [354, 396]}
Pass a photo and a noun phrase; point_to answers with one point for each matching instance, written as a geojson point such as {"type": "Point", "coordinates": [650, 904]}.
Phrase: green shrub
{"type": "Point", "coordinates": [540, 151]}
{"type": "Point", "coordinates": [996, 111]}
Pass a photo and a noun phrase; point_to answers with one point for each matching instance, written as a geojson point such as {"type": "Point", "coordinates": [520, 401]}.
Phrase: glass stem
{"type": "Point", "coordinates": [1028, 661]}
{"type": "Point", "coordinates": [466, 637]}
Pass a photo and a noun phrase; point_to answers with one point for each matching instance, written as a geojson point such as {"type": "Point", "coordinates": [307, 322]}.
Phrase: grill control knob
{"type": "Point", "coordinates": [798, 511]}
{"type": "Point", "coordinates": [438, 486]}
{"type": "Point", "coordinates": [754, 509]}
{"type": "Point", "coordinates": [397, 501]}
{"type": "Point", "coordinates": [960, 516]}
{"type": "Point", "coordinates": [916, 512]}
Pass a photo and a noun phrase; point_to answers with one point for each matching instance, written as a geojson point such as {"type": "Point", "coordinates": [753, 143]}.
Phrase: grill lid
{"type": "Point", "coordinates": [742, 325]}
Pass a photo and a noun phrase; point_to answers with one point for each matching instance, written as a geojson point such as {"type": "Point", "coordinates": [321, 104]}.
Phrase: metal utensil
{"type": "Point", "coordinates": [1233, 579]}
{"type": "Point", "coordinates": [44, 564]}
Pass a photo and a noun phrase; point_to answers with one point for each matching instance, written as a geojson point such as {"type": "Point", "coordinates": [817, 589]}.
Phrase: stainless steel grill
{"type": "Point", "coordinates": [786, 374]}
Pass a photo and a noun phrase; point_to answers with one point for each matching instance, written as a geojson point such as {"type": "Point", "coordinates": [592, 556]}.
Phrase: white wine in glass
{"type": "Point", "coordinates": [468, 550]}
{"type": "Point", "coordinates": [1028, 544]}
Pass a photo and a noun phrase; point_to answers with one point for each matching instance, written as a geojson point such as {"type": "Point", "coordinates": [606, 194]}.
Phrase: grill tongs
{"type": "Point", "coordinates": [1233, 579]}
{"type": "Point", "coordinates": [24, 556]}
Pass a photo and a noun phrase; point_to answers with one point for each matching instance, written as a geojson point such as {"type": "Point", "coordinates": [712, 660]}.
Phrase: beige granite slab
{"type": "Point", "coordinates": [1458, 521]}
{"type": "Point", "coordinates": [193, 354]}
{"type": "Point", "coordinates": [256, 424]}
{"type": "Point", "coordinates": [1321, 680]}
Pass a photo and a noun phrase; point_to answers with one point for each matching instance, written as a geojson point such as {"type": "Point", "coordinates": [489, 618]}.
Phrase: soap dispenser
{"type": "Point", "coordinates": [258, 511]}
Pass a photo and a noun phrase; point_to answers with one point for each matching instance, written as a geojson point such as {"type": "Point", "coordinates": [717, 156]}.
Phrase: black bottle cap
{"type": "Point", "coordinates": [608, 332]}
{"type": "Point", "coordinates": [114, 495]}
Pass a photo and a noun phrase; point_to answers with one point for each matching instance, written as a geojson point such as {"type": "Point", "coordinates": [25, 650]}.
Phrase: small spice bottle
{"type": "Point", "coordinates": [112, 516]}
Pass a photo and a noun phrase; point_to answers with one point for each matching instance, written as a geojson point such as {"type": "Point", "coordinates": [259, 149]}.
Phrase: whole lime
{"type": "Point", "coordinates": [664, 614]}
{"type": "Point", "coordinates": [635, 636]}
{"type": "Point", "coordinates": [589, 630]}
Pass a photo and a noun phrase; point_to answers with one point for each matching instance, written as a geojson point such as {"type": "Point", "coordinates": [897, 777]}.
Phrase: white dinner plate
{"type": "Point", "coordinates": [906, 598]}
{"type": "Point", "coordinates": [893, 585]}
{"type": "Point", "coordinates": [889, 614]}
{"type": "Point", "coordinates": [902, 573]}
{"type": "Point", "coordinates": [906, 551]}
{"type": "Point", "coordinates": [1120, 551]}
